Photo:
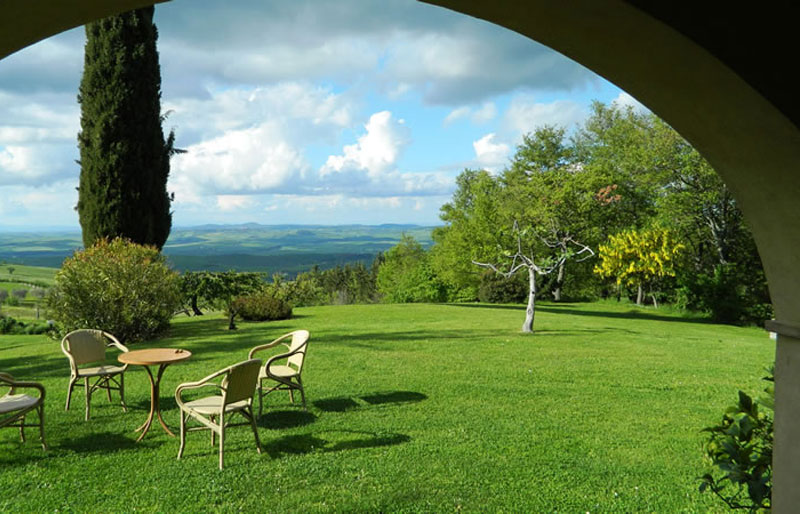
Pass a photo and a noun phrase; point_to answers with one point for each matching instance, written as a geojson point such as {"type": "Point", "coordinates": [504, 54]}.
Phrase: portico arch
{"type": "Point", "coordinates": [685, 62]}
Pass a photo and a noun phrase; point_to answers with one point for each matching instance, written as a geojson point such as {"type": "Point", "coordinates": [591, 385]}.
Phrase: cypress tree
{"type": "Point", "coordinates": [124, 156]}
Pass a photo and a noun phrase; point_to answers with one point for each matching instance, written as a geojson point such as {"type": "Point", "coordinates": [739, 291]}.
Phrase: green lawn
{"type": "Point", "coordinates": [427, 408]}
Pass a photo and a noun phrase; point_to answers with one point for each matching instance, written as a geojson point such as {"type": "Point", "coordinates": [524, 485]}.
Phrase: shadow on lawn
{"type": "Point", "coordinates": [345, 403]}
{"type": "Point", "coordinates": [568, 308]}
{"type": "Point", "coordinates": [104, 442]}
{"type": "Point", "coordinates": [344, 440]}
{"type": "Point", "coordinates": [278, 419]}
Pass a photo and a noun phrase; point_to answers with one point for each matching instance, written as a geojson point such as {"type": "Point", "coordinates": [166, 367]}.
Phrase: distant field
{"type": "Point", "coordinates": [281, 248]}
{"type": "Point", "coordinates": [15, 275]}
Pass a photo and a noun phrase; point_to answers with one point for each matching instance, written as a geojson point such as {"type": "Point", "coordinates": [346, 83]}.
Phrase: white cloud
{"type": "Point", "coordinates": [490, 154]}
{"type": "Point", "coordinates": [234, 202]}
{"type": "Point", "coordinates": [624, 100]}
{"type": "Point", "coordinates": [252, 160]}
{"type": "Point", "coordinates": [525, 115]}
{"type": "Point", "coordinates": [478, 116]}
{"type": "Point", "coordinates": [376, 152]}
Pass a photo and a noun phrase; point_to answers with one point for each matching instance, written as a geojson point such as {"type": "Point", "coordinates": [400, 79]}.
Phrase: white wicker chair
{"type": "Point", "coordinates": [237, 386]}
{"type": "Point", "coordinates": [89, 347]}
{"type": "Point", "coordinates": [14, 407]}
{"type": "Point", "coordinates": [287, 376]}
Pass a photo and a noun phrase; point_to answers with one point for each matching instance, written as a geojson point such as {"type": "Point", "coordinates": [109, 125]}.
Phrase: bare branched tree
{"type": "Point", "coordinates": [568, 249]}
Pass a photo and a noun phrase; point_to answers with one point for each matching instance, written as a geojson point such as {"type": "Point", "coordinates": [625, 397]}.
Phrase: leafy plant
{"type": "Point", "coordinates": [741, 448]}
{"type": "Point", "coordinates": [118, 286]}
{"type": "Point", "coordinates": [261, 306]}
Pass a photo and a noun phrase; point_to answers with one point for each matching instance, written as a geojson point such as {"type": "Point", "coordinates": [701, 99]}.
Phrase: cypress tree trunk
{"type": "Point", "coordinates": [124, 156]}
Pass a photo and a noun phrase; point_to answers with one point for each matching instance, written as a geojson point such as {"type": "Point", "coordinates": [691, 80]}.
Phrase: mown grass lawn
{"type": "Point", "coordinates": [428, 408]}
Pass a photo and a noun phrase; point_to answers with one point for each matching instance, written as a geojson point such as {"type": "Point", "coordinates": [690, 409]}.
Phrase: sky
{"type": "Point", "coordinates": [302, 112]}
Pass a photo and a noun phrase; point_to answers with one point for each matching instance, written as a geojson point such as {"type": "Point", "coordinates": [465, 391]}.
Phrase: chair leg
{"type": "Point", "coordinates": [260, 391]}
{"type": "Point", "coordinates": [107, 382]}
{"type": "Point", "coordinates": [22, 428]}
{"type": "Point", "coordinates": [183, 434]}
{"type": "Point", "coordinates": [72, 381]}
{"type": "Point", "coordinates": [221, 438]}
{"type": "Point", "coordinates": [213, 432]}
{"type": "Point", "coordinates": [291, 394]}
{"type": "Point", "coordinates": [41, 425]}
{"type": "Point", "coordinates": [302, 392]}
{"type": "Point", "coordinates": [88, 396]}
{"type": "Point", "coordinates": [122, 391]}
{"type": "Point", "coordinates": [255, 429]}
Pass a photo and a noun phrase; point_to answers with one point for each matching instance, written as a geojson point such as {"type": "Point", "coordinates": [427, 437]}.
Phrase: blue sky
{"type": "Point", "coordinates": [305, 112]}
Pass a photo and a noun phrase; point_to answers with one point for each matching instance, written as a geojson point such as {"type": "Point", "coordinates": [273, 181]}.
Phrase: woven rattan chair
{"type": "Point", "coordinates": [14, 407]}
{"type": "Point", "coordinates": [237, 385]}
{"type": "Point", "coordinates": [89, 347]}
{"type": "Point", "coordinates": [286, 375]}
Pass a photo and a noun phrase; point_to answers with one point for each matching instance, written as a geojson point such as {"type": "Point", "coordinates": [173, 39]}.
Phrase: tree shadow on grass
{"type": "Point", "coordinates": [568, 308]}
{"type": "Point", "coordinates": [346, 403]}
{"type": "Point", "coordinates": [341, 440]}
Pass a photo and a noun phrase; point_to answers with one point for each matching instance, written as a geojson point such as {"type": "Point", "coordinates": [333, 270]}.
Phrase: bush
{"type": "Point", "coordinates": [495, 288]}
{"type": "Point", "coordinates": [261, 307]}
{"type": "Point", "coordinates": [729, 295]}
{"type": "Point", "coordinates": [118, 286]}
{"type": "Point", "coordinates": [741, 448]}
{"type": "Point", "coordinates": [9, 325]}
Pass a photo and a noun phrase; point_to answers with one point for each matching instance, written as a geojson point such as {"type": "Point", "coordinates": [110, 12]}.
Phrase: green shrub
{"type": "Point", "coordinates": [495, 288]}
{"type": "Point", "coordinates": [740, 447]}
{"type": "Point", "coordinates": [261, 307]}
{"type": "Point", "coordinates": [118, 286]}
{"type": "Point", "coordinates": [9, 325]}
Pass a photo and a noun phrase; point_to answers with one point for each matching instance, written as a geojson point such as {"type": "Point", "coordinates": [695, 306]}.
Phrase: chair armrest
{"type": "Point", "coordinates": [113, 341]}
{"type": "Point", "coordinates": [17, 384]}
{"type": "Point", "coordinates": [269, 345]}
{"type": "Point", "coordinates": [281, 356]}
{"type": "Point", "coordinates": [204, 382]}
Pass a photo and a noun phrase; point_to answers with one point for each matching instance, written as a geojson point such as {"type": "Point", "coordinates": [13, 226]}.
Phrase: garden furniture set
{"type": "Point", "coordinates": [236, 385]}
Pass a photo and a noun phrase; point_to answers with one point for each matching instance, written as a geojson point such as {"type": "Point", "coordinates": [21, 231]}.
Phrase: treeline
{"type": "Point", "coordinates": [621, 207]}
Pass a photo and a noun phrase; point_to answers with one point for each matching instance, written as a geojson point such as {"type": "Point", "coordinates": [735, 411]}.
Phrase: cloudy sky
{"type": "Point", "coordinates": [308, 112]}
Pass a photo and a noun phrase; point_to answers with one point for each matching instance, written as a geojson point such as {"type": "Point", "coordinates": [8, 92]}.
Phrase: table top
{"type": "Point", "coordinates": [152, 356]}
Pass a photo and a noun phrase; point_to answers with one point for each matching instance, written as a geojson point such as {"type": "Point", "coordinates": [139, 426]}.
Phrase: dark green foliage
{"type": "Point", "coordinates": [741, 448]}
{"type": "Point", "coordinates": [730, 294]}
{"type": "Point", "coordinates": [119, 286]}
{"type": "Point", "coordinates": [124, 157]}
{"type": "Point", "coordinates": [9, 325]}
{"type": "Point", "coordinates": [495, 288]}
{"type": "Point", "coordinates": [261, 306]}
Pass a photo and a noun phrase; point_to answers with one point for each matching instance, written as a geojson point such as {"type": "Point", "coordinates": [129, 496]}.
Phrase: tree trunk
{"type": "Point", "coordinates": [640, 296]}
{"type": "Point", "coordinates": [655, 302]}
{"type": "Point", "coordinates": [531, 310]}
{"type": "Point", "coordinates": [231, 324]}
{"type": "Point", "coordinates": [559, 282]}
{"type": "Point", "coordinates": [196, 310]}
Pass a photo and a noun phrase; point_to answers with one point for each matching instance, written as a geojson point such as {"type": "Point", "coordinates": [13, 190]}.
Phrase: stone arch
{"type": "Point", "coordinates": [696, 66]}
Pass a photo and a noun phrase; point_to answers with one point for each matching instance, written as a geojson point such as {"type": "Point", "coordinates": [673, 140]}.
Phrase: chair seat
{"type": "Point", "coordinates": [278, 370]}
{"type": "Point", "coordinates": [105, 369]}
{"type": "Point", "coordinates": [14, 402]}
{"type": "Point", "coordinates": [211, 405]}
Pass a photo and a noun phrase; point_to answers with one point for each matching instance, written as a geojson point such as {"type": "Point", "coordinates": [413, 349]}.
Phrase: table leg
{"type": "Point", "coordinates": [155, 408]}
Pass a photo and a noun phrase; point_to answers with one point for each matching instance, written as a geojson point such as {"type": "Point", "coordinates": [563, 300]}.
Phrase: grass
{"type": "Point", "coordinates": [421, 408]}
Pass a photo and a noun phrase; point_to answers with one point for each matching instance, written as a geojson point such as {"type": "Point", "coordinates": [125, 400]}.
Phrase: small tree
{"type": "Point", "coordinates": [118, 286]}
{"type": "Point", "coordinates": [3, 295]}
{"type": "Point", "coordinates": [527, 259]}
{"type": "Point", "coordinates": [406, 276]}
{"type": "Point", "coordinates": [20, 294]}
{"type": "Point", "coordinates": [639, 258]}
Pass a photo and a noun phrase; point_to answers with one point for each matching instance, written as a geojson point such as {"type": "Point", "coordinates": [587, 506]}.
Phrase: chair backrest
{"type": "Point", "coordinates": [298, 348]}
{"type": "Point", "coordinates": [240, 381]}
{"type": "Point", "coordinates": [85, 346]}
{"type": "Point", "coordinates": [6, 380]}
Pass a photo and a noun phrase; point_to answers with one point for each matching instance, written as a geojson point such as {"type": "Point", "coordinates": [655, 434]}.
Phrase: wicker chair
{"type": "Point", "coordinates": [237, 386]}
{"type": "Point", "coordinates": [287, 376]}
{"type": "Point", "coordinates": [89, 347]}
{"type": "Point", "coordinates": [14, 407]}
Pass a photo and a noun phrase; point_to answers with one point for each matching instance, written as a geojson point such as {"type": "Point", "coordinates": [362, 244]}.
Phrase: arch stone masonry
{"type": "Point", "coordinates": [715, 73]}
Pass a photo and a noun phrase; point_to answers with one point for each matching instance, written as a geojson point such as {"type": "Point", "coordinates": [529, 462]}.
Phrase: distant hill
{"type": "Point", "coordinates": [245, 247]}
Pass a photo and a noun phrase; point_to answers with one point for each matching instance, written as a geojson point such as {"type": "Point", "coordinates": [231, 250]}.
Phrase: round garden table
{"type": "Point", "coordinates": [162, 357]}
